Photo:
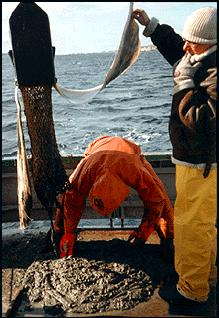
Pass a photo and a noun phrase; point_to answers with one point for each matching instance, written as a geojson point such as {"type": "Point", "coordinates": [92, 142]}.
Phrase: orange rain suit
{"type": "Point", "coordinates": [110, 167]}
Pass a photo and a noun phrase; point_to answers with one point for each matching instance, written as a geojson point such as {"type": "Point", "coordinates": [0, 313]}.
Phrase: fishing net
{"type": "Point", "coordinates": [49, 176]}
{"type": "Point", "coordinates": [78, 285]}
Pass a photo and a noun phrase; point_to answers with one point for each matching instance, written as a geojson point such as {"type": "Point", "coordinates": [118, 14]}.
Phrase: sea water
{"type": "Point", "coordinates": [136, 105]}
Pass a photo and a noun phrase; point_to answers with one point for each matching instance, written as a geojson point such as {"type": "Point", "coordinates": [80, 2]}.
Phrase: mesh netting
{"type": "Point", "coordinates": [48, 172]}
{"type": "Point", "coordinates": [81, 286]}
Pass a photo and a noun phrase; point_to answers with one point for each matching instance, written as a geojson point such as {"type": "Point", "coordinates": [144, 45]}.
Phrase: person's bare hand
{"type": "Point", "coordinates": [141, 16]}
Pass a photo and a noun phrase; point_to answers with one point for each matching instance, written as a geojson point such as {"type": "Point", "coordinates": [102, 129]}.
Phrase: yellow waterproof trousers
{"type": "Point", "coordinates": [195, 231]}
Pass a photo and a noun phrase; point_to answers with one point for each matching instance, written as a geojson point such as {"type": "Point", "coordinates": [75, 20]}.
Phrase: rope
{"type": "Point", "coordinates": [23, 176]}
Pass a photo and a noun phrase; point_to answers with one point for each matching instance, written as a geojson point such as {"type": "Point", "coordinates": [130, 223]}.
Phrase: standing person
{"type": "Point", "coordinates": [110, 167]}
{"type": "Point", "coordinates": [192, 129]}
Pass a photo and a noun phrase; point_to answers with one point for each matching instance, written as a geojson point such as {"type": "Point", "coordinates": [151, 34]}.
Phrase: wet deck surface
{"type": "Point", "coordinates": [19, 251]}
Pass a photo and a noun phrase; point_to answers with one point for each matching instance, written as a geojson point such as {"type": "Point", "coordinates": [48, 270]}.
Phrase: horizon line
{"type": "Point", "coordinates": [98, 52]}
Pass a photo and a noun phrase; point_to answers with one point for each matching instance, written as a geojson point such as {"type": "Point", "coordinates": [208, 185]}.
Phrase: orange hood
{"type": "Point", "coordinates": [107, 193]}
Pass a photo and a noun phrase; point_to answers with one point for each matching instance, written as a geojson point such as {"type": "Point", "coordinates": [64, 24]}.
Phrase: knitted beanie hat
{"type": "Point", "coordinates": [201, 26]}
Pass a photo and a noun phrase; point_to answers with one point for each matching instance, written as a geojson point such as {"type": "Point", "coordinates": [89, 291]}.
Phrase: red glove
{"type": "Point", "coordinates": [67, 244]}
{"type": "Point", "coordinates": [141, 234]}
{"type": "Point", "coordinates": [135, 239]}
{"type": "Point", "coordinates": [162, 229]}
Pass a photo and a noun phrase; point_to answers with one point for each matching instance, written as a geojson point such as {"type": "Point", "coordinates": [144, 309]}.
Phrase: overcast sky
{"type": "Point", "coordinates": [83, 27]}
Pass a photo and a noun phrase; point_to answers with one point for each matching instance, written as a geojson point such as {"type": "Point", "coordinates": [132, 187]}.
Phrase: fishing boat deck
{"type": "Point", "coordinates": [107, 242]}
{"type": "Point", "coordinates": [19, 250]}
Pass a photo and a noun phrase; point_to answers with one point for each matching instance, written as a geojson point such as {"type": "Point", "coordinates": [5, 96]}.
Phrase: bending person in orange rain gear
{"type": "Point", "coordinates": [110, 167]}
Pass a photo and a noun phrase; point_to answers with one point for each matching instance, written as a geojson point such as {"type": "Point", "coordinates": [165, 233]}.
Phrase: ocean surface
{"type": "Point", "coordinates": [136, 105]}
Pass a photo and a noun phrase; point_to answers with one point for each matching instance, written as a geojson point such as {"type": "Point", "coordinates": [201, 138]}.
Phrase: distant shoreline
{"type": "Point", "coordinates": [146, 48]}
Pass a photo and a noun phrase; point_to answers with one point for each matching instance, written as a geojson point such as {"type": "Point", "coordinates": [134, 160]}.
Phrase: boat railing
{"type": "Point", "coordinates": [130, 209]}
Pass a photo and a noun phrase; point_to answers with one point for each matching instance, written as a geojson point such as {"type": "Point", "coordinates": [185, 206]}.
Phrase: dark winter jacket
{"type": "Point", "coordinates": [192, 124]}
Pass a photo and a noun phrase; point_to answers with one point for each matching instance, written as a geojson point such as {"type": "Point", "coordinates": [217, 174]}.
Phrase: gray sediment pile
{"type": "Point", "coordinates": [79, 285]}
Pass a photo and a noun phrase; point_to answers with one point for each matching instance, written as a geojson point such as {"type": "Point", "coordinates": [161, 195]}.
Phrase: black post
{"type": "Point", "coordinates": [33, 55]}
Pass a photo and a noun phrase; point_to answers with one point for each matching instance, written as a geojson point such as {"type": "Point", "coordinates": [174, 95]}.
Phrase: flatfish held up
{"type": "Point", "coordinates": [128, 51]}
{"type": "Point", "coordinates": [126, 55]}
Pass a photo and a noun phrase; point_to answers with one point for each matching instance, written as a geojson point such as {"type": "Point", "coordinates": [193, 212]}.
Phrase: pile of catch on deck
{"type": "Point", "coordinates": [81, 286]}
